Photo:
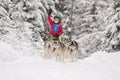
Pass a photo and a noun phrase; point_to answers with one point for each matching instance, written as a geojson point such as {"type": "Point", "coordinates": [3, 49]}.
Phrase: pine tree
{"type": "Point", "coordinates": [22, 23]}
{"type": "Point", "coordinates": [5, 22]}
{"type": "Point", "coordinates": [113, 30]}
{"type": "Point", "coordinates": [29, 12]}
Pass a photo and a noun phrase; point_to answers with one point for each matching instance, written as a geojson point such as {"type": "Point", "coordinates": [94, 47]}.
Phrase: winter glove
{"type": "Point", "coordinates": [50, 11]}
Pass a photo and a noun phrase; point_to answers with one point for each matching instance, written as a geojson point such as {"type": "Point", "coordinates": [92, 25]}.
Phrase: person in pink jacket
{"type": "Point", "coordinates": [56, 29]}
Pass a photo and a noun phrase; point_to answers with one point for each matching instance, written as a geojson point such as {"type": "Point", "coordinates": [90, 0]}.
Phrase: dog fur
{"type": "Point", "coordinates": [61, 51]}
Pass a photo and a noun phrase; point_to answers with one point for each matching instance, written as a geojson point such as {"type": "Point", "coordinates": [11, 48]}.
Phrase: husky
{"type": "Point", "coordinates": [51, 48]}
{"type": "Point", "coordinates": [55, 49]}
{"type": "Point", "coordinates": [73, 50]}
{"type": "Point", "coordinates": [67, 51]}
{"type": "Point", "coordinates": [47, 49]}
{"type": "Point", "coordinates": [61, 51]}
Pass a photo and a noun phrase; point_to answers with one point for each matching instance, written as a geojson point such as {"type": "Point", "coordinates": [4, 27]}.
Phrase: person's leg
{"type": "Point", "coordinates": [56, 38]}
{"type": "Point", "coordinates": [51, 37]}
{"type": "Point", "coordinates": [59, 38]}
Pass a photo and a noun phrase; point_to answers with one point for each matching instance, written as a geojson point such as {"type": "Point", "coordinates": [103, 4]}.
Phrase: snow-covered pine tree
{"type": "Point", "coordinates": [107, 16]}
{"type": "Point", "coordinates": [112, 32]}
{"type": "Point", "coordinates": [82, 16]}
{"type": "Point", "coordinates": [29, 13]}
{"type": "Point", "coordinates": [22, 23]}
{"type": "Point", "coordinates": [5, 22]}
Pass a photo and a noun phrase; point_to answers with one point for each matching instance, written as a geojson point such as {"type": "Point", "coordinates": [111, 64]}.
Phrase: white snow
{"type": "Point", "coordinates": [7, 53]}
{"type": "Point", "coordinates": [99, 66]}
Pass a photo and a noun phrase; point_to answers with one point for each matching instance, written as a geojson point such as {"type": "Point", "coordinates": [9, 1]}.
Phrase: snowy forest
{"type": "Point", "coordinates": [95, 24]}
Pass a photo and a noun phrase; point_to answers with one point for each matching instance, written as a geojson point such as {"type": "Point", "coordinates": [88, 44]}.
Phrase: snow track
{"type": "Point", "coordinates": [99, 66]}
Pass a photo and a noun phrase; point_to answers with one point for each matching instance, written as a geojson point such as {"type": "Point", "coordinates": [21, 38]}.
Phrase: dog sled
{"type": "Point", "coordinates": [61, 51]}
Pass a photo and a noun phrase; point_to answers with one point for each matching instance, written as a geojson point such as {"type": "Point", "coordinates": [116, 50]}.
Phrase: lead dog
{"type": "Point", "coordinates": [51, 48]}
{"type": "Point", "coordinates": [68, 51]}
{"type": "Point", "coordinates": [73, 50]}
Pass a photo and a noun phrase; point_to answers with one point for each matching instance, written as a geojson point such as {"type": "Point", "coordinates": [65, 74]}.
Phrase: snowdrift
{"type": "Point", "coordinates": [7, 53]}
{"type": "Point", "coordinates": [99, 66]}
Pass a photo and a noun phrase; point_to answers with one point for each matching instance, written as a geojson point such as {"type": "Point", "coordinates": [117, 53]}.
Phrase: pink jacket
{"type": "Point", "coordinates": [60, 32]}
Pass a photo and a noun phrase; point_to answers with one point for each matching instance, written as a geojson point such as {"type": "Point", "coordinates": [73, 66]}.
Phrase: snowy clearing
{"type": "Point", "coordinates": [99, 66]}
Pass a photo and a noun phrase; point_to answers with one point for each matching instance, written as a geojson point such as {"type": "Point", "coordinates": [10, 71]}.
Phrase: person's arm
{"type": "Point", "coordinates": [49, 17]}
{"type": "Point", "coordinates": [61, 30]}
{"type": "Point", "coordinates": [50, 20]}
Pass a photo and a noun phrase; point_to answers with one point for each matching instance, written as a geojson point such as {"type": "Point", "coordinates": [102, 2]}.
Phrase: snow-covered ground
{"type": "Point", "coordinates": [99, 66]}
